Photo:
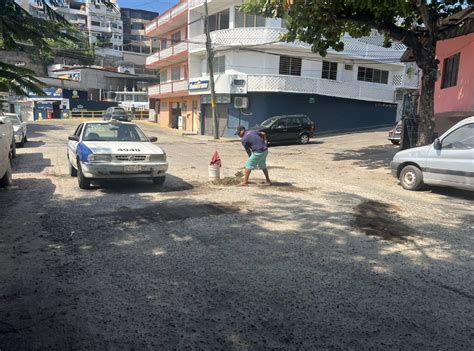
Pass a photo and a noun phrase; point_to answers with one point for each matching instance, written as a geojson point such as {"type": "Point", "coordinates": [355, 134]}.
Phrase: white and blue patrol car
{"type": "Point", "coordinates": [113, 149]}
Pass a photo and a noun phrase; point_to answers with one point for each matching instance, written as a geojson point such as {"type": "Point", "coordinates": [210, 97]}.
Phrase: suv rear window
{"type": "Point", "coordinates": [305, 120]}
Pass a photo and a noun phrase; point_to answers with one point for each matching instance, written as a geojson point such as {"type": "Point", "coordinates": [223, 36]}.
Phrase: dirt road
{"type": "Point", "coordinates": [334, 256]}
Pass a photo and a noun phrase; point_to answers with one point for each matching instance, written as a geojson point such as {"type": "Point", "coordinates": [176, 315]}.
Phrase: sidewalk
{"type": "Point", "coordinates": [183, 133]}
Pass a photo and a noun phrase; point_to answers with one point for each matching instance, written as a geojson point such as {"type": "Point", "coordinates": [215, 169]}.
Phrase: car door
{"type": "Point", "coordinates": [72, 145]}
{"type": "Point", "coordinates": [280, 129]}
{"type": "Point", "coordinates": [453, 164]}
{"type": "Point", "coordinates": [294, 128]}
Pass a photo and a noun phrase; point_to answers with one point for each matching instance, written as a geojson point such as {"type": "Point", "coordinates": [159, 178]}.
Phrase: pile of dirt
{"type": "Point", "coordinates": [229, 181]}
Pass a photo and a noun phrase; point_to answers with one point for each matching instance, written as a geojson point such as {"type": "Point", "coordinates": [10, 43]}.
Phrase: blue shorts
{"type": "Point", "coordinates": [257, 160]}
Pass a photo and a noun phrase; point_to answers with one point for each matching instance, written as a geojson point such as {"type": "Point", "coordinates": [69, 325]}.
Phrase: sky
{"type": "Point", "coordinates": [151, 5]}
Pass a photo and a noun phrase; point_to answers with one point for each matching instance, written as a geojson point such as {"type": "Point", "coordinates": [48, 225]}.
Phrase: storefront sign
{"type": "Point", "coordinates": [199, 84]}
{"type": "Point", "coordinates": [50, 92]}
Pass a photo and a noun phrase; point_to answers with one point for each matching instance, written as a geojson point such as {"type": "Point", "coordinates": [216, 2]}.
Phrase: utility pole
{"type": "Point", "coordinates": [210, 59]}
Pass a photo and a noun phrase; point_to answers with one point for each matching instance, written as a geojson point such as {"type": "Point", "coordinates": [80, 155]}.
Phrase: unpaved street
{"type": "Point", "coordinates": [336, 255]}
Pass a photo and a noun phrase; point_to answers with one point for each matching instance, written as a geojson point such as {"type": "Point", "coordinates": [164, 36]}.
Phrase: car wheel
{"type": "Point", "coordinates": [22, 142]}
{"type": "Point", "coordinates": [159, 181]}
{"type": "Point", "coordinates": [72, 170]}
{"type": "Point", "coordinates": [304, 139]}
{"type": "Point", "coordinates": [13, 149]}
{"type": "Point", "coordinates": [7, 178]}
{"type": "Point", "coordinates": [83, 182]}
{"type": "Point", "coordinates": [395, 142]}
{"type": "Point", "coordinates": [411, 178]}
{"type": "Point", "coordinates": [25, 140]}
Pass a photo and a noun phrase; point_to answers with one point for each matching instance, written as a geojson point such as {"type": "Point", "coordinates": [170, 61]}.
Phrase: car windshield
{"type": "Point", "coordinates": [268, 122]}
{"type": "Point", "coordinates": [113, 132]}
{"type": "Point", "coordinates": [12, 119]}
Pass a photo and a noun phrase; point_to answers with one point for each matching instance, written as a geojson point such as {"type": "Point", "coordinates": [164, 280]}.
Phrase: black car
{"type": "Point", "coordinates": [286, 128]}
{"type": "Point", "coordinates": [117, 113]}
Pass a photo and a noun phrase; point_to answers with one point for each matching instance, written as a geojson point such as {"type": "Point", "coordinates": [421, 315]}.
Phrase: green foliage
{"type": "Point", "coordinates": [41, 38]}
{"type": "Point", "coordinates": [322, 23]}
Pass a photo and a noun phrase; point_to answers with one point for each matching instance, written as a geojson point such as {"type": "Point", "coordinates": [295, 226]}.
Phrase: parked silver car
{"type": "Point", "coordinates": [449, 161]}
{"type": "Point", "coordinates": [6, 151]}
{"type": "Point", "coordinates": [20, 128]}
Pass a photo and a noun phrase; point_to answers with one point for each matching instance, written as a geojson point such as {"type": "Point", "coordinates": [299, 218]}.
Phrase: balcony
{"type": "Point", "coordinates": [270, 39]}
{"type": "Point", "coordinates": [174, 54]}
{"type": "Point", "coordinates": [168, 89]}
{"type": "Point", "coordinates": [296, 84]}
{"type": "Point", "coordinates": [174, 18]}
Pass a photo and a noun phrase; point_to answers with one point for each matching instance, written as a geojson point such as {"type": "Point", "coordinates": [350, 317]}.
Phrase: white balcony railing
{"type": "Point", "coordinates": [296, 84]}
{"type": "Point", "coordinates": [168, 88]}
{"type": "Point", "coordinates": [167, 53]}
{"type": "Point", "coordinates": [166, 17]}
{"type": "Point", "coordinates": [243, 37]}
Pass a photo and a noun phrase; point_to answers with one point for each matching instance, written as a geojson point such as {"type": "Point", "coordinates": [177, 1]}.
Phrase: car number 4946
{"type": "Point", "coordinates": [132, 169]}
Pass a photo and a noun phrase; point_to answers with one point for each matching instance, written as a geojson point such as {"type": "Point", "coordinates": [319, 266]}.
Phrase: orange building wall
{"type": "Point", "coordinates": [461, 96]}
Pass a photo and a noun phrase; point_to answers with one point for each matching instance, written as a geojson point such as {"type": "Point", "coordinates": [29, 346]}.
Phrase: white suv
{"type": "Point", "coordinates": [7, 151]}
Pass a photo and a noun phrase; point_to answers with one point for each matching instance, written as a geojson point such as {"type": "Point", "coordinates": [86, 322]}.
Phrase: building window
{"type": "Point", "coordinates": [219, 64]}
{"type": "Point", "coordinates": [95, 23]}
{"type": "Point", "coordinates": [137, 26]}
{"type": "Point", "coordinates": [246, 20]}
{"type": "Point", "coordinates": [164, 44]}
{"type": "Point", "coordinates": [176, 73]}
{"type": "Point", "coordinates": [219, 21]}
{"type": "Point", "coordinates": [329, 70]}
{"type": "Point", "coordinates": [372, 75]}
{"type": "Point", "coordinates": [290, 66]}
{"type": "Point", "coordinates": [450, 71]}
{"type": "Point", "coordinates": [175, 38]}
{"type": "Point", "coordinates": [348, 67]}
{"type": "Point", "coordinates": [163, 76]}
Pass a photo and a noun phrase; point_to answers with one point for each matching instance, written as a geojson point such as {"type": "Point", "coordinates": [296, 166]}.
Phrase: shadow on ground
{"type": "Point", "coordinates": [371, 157]}
{"type": "Point", "coordinates": [135, 186]}
{"type": "Point", "coordinates": [100, 273]}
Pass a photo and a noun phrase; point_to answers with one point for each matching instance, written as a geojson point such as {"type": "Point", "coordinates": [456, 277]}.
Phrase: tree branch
{"type": "Point", "coordinates": [425, 16]}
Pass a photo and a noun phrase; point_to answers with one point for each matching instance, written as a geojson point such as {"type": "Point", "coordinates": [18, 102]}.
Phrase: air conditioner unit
{"type": "Point", "coordinates": [241, 102]}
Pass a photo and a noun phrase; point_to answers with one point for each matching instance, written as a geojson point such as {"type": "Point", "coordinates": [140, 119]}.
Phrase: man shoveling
{"type": "Point", "coordinates": [255, 143]}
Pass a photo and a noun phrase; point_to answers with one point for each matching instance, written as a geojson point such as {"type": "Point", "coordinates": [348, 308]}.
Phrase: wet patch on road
{"type": "Point", "coordinates": [170, 212]}
{"type": "Point", "coordinates": [381, 220]}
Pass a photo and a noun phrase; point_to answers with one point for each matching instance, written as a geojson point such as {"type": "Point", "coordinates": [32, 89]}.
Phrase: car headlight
{"type": "Point", "coordinates": [99, 158]}
{"type": "Point", "coordinates": [154, 158]}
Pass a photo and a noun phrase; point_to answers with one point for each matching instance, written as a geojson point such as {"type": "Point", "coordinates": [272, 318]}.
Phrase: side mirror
{"type": "Point", "coordinates": [153, 139]}
{"type": "Point", "coordinates": [437, 144]}
{"type": "Point", "coordinates": [73, 138]}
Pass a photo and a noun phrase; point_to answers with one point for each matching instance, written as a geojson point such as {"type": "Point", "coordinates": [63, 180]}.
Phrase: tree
{"type": "Point", "coordinates": [418, 24]}
{"type": "Point", "coordinates": [21, 31]}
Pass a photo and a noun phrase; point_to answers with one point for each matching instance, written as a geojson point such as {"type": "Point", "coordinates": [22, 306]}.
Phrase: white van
{"type": "Point", "coordinates": [449, 161]}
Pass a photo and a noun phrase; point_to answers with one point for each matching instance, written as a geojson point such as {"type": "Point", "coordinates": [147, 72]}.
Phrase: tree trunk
{"type": "Point", "coordinates": [429, 67]}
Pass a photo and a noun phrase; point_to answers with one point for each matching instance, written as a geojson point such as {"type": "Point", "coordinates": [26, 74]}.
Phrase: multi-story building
{"type": "Point", "coordinates": [137, 46]}
{"type": "Point", "coordinates": [171, 97]}
{"type": "Point", "coordinates": [257, 75]}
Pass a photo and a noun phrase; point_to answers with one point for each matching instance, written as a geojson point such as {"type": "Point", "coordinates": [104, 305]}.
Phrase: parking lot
{"type": "Point", "coordinates": [334, 255]}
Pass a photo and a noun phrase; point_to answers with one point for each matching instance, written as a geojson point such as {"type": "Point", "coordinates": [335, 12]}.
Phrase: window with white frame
{"type": "Point", "coordinates": [176, 73]}
{"type": "Point", "coordinates": [219, 20]}
{"type": "Point", "coordinates": [176, 37]}
{"type": "Point", "coordinates": [329, 70]}
{"type": "Point", "coordinates": [163, 75]}
{"type": "Point", "coordinates": [290, 66]}
{"type": "Point", "coordinates": [247, 20]}
{"type": "Point", "coordinates": [372, 75]}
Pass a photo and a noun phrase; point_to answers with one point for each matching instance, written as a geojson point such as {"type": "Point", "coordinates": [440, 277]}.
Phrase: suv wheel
{"type": "Point", "coordinates": [304, 139]}
{"type": "Point", "coordinates": [411, 178]}
{"type": "Point", "coordinates": [13, 148]}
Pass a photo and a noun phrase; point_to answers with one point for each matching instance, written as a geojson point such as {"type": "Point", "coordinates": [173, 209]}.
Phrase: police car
{"type": "Point", "coordinates": [113, 149]}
